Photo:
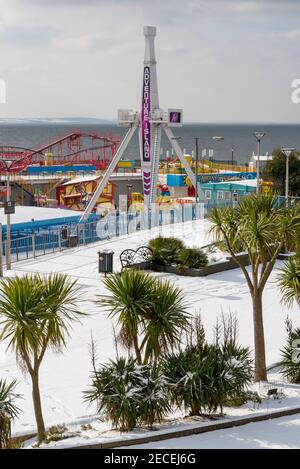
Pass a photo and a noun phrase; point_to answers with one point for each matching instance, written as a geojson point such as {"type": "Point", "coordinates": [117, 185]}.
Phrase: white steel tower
{"type": "Point", "coordinates": [150, 122]}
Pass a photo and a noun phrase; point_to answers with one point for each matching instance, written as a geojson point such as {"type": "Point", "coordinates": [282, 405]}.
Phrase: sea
{"type": "Point", "coordinates": [238, 138]}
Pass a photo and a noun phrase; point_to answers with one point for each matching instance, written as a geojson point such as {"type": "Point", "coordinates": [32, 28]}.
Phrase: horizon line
{"type": "Point", "coordinates": [114, 121]}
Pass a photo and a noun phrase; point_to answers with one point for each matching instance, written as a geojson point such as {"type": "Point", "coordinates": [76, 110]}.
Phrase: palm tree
{"type": "Point", "coordinates": [289, 282]}
{"type": "Point", "coordinates": [36, 313]}
{"type": "Point", "coordinates": [8, 411]}
{"type": "Point", "coordinates": [261, 229]}
{"type": "Point", "coordinates": [145, 307]}
{"type": "Point", "coordinates": [130, 301]}
{"type": "Point", "coordinates": [168, 319]}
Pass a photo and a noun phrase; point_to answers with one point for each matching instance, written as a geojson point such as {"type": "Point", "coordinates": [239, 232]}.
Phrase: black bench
{"type": "Point", "coordinates": [139, 258]}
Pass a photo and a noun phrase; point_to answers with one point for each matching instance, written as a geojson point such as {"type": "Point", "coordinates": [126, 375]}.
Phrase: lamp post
{"type": "Point", "coordinates": [259, 136]}
{"type": "Point", "coordinates": [232, 154]}
{"type": "Point", "coordinates": [217, 138]}
{"type": "Point", "coordinates": [196, 168]}
{"type": "Point", "coordinates": [287, 152]}
{"type": "Point", "coordinates": [8, 165]}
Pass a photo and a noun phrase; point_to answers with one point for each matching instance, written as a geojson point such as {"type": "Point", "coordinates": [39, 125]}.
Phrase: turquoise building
{"type": "Point", "coordinates": [219, 189]}
{"type": "Point", "coordinates": [223, 193]}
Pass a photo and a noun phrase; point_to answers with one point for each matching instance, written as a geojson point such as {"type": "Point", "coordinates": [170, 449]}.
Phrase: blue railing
{"type": "Point", "coordinates": [54, 238]}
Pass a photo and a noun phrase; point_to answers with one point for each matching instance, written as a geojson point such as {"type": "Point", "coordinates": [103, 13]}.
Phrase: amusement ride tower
{"type": "Point", "coordinates": [150, 122]}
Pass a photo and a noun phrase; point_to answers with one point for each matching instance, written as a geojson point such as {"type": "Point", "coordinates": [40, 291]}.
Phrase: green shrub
{"type": "Point", "coordinates": [154, 402]}
{"type": "Point", "coordinates": [290, 369]}
{"type": "Point", "coordinates": [128, 393]}
{"type": "Point", "coordinates": [8, 411]}
{"type": "Point", "coordinates": [204, 377]}
{"type": "Point", "coordinates": [191, 258]}
{"type": "Point", "coordinates": [199, 379]}
{"type": "Point", "coordinates": [165, 250]}
{"type": "Point", "coordinates": [115, 388]}
{"type": "Point", "coordinates": [240, 371]}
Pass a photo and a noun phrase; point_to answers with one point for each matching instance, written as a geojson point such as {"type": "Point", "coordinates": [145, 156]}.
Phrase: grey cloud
{"type": "Point", "coordinates": [25, 35]}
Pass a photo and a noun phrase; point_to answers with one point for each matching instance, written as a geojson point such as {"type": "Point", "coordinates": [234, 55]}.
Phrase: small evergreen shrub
{"type": "Point", "coordinates": [115, 387]}
{"type": "Point", "coordinates": [200, 379]}
{"type": "Point", "coordinates": [8, 411]}
{"type": "Point", "coordinates": [290, 363]}
{"type": "Point", "coordinates": [165, 250]}
{"type": "Point", "coordinates": [128, 393]}
{"type": "Point", "coordinates": [235, 356]}
{"type": "Point", "coordinates": [191, 258]}
{"type": "Point", "coordinates": [203, 377]}
{"type": "Point", "coordinates": [154, 402]}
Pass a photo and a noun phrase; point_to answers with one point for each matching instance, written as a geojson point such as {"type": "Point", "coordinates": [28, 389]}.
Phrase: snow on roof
{"type": "Point", "coordinates": [246, 182]}
{"type": "Point", "coordinates": [241, 182]}
{"type": "Point", "coordinates": [26, 214]}
{"type": "Point", "coordinates": [82, 179]}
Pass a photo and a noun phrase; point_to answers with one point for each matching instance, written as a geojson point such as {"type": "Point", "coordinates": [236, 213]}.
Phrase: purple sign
{"type": "Point", "coordinates": [175, 117]}
{"type": "Point", "coordinates": [146, 129]}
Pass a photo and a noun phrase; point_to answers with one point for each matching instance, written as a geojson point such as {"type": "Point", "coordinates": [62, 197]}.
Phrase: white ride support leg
{"type": "Point", "coordinates": [187, 167]}
{"type": "Point", "coordinates": [109, 172]}
{"type": "Point", "coordinates": [155, 164]}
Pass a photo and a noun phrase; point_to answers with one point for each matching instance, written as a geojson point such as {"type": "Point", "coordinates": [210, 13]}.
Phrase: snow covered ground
{"type": "Point", "coordinates": [282, 433]}
{"type": "Point", "coordinates": [93, 430]}
{"type": "Point", "coordinates": [65, 376]}
{"type": "Point", "coordinates": [26, 214]}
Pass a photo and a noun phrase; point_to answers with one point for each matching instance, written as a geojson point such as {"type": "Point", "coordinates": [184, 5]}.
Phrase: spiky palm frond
{"type": "Point", "coordinates": [289, 363]}
{"type": "Point", "coordinates": [8, 411]}
{"type": "Point", "coordinates": [36, 311]}
{"type": "Point", "coordinates": [169, 318]}
{"type": "Point", "coordinates": [130, 300]}
{"type": "Point", "coordinates": [7, 399]}
{"type": "Point", "coordinates": [115, 388]}
{"type": "Point", "coordinates": [257, 225]}
{"type": "Point", "coordinates": [22, 312]}
{"type": "Point", "coordinates": [127, 393]}
{"type": "Point", "coordinates": [61, 296]}
{"type": "Point", "coordinates": [289, 282]}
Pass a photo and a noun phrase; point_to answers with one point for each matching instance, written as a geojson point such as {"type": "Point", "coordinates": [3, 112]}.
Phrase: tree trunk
{"type": "Point", "coordinates": [137, 350]}
{"type": "Point", "coordinates": [260, 371]}
{"type": "Point", "coordinates": [37, 406]}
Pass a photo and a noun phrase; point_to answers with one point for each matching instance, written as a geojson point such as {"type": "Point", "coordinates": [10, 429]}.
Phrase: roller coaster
{"type": "Point", "coordinates": [74, 148]}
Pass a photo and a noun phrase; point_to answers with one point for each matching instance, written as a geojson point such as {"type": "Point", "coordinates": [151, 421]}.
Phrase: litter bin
{"type": "Point", "coordinates": [64, 232]}
{"type": "Point", "coordinates": [72, 241]}
{"type": "Point", "coordinates": [105, 261]}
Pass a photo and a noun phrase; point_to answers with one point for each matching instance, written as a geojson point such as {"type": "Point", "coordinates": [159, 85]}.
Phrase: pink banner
{"type": "Point", "coordinates": [146, 129]}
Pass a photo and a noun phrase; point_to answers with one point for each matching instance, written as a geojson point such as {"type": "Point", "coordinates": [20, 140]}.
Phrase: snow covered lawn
{"type": "Point", "coordinates": [93, 430]}
{"type": "Point", "coordinates": [64, 376]}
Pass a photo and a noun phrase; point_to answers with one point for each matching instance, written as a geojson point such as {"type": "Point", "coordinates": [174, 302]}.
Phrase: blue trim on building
{"type": "Point", "coordinates": [59, 169]}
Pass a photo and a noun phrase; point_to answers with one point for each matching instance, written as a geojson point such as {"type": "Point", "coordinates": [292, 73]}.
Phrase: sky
{"type": "Point", "coordinates": [221, 61]}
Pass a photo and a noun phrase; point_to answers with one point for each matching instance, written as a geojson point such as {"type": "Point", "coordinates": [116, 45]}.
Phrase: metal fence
{"type": "Point", "coordinates": [59, 238]}
{"type": "Point", "coordinates": [114, 224]}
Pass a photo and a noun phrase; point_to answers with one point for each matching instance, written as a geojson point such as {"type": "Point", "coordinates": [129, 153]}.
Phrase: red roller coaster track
{"type": "Point", "coordinates": [74, 148]}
